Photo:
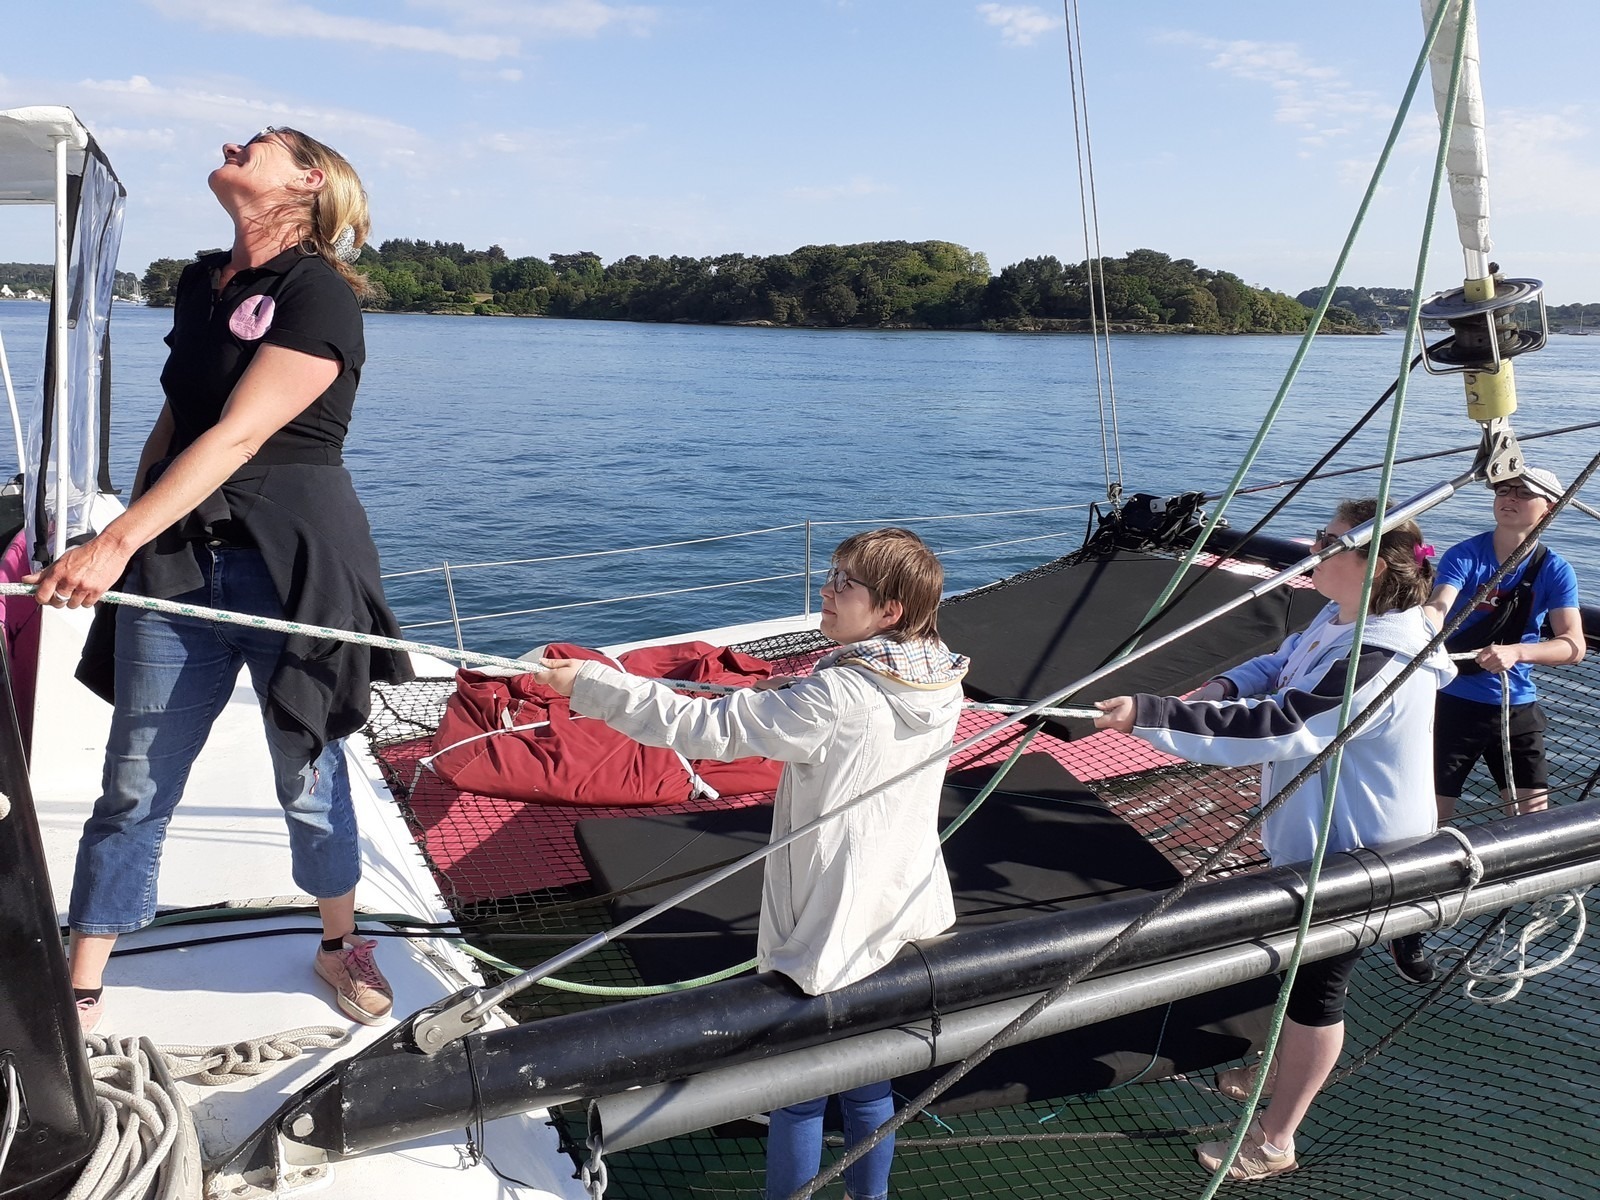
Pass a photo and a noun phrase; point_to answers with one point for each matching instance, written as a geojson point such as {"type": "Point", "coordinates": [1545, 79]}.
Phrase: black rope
{"type": "Point", "coordinates": [1117, 942]}
{"type": "Point", "coordinates": [936, 1019]}
{"type": "Point", "coordinates": [1298, 486]}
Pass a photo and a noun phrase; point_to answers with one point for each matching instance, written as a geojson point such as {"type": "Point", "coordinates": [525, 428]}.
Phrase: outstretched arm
{"type": "Point", "coordinates": [791, 724]}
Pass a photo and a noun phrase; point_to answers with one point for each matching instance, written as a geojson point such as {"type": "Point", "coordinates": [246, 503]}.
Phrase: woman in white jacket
{"type": "Point", "coordinates": [1281, 710]}
{"type": "Point", "coordinates": [841, 902]}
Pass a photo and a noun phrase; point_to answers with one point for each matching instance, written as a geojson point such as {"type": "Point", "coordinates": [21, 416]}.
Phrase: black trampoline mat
{"type": "Point", "coordinates": [1028, 639]}
{"type": "Point", "coordinates": [1041, 843]}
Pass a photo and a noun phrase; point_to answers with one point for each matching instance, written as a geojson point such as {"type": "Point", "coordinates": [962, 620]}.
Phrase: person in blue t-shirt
{"type": "Point", "coordinates": [1467, 724]}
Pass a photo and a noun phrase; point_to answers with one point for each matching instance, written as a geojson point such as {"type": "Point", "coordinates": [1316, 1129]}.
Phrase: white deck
{"type": "Point", "coordinates": [227, 844]}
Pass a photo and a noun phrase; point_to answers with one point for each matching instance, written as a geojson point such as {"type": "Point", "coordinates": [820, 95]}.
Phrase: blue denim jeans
{"type": "Point", "coordinates": [794, 1143]}
{"type": "Point", "coordinates": [174, 677]}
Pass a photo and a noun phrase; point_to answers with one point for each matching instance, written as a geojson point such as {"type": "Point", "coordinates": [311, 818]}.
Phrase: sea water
{"type": "Point", "coordinates": [487, 439]}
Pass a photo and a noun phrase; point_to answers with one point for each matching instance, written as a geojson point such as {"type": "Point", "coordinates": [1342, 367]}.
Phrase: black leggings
{"type": "Point", "coordinates": [1319, 991]}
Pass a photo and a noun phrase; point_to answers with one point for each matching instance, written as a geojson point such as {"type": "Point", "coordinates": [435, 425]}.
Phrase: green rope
{"type": "Point", "coordinates": [1311, 327]}
{"type": "Point", "coordinates": [988, 788]}
{"type": "Point", "coordinates": [1331, 778]}
{"type": "Point", "coordinates": [572, 986]}
{"type": "Point", "coordinates": [591, 989]}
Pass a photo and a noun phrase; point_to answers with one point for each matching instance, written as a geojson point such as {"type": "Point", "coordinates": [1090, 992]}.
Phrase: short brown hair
{"type": "Point", "coordinates": [896, 564]}
{"type": "Point", "coordinates": [1409, 579]}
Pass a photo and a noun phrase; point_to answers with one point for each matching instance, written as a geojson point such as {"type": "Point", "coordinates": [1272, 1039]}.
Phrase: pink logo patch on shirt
{"type": "Point", "coordinates": [252, 318]}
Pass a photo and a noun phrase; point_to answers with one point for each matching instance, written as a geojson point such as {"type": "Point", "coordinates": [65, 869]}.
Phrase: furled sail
{"type": "Point", "coordinates": [1468, 161]}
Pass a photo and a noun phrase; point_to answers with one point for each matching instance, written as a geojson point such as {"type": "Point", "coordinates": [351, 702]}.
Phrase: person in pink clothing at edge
{"type": "Point", "coordinates": [240, 497]}
{"type": "Point", "coordinates": [841, 902]}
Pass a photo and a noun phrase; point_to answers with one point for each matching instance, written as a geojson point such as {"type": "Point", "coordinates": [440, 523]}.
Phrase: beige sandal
{"type": "Point", "coordinates": [1237, 1083]}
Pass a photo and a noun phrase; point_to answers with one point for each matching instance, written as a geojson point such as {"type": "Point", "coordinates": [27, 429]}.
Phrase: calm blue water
{"type": "Point", "coordinates": [488, 438]}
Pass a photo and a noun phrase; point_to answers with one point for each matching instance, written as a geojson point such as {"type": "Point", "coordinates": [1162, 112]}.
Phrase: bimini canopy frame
{"type": "Point", "coordinates": [48, 157]}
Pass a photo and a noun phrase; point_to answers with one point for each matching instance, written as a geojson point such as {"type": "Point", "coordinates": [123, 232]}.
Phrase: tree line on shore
{"type": "Point", "coordinates": [927, 285]}
{"type": "Point", "coordinates": [932, 285]}
{"type": "Point", "coordinates": [41, 278]}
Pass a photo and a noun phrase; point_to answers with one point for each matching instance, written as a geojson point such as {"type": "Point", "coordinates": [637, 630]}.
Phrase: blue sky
{"type": "Point", "coordinates": [1238, 134]}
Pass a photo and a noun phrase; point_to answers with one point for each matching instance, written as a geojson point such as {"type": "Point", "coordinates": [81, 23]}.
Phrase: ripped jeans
{"type": "Point", "coordinates": [174, 677]}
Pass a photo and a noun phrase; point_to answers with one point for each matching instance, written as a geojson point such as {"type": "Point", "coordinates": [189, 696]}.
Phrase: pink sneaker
{"type": "Point", "coordinates": [89, 1014]}
{"type": "Point", "coordinates": [362, 991]}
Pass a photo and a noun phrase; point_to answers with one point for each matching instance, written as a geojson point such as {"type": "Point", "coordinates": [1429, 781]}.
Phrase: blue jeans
{"type": "Point", "coordinates": [174, 677]}
{"type": "Point", "coordinates": [794, 1143]}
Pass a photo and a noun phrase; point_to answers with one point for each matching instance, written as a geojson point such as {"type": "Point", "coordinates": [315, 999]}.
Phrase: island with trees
{"type": "Point", "coordinates": [870, 285]}
{"type": "Point", "coordinates": [875, 285]}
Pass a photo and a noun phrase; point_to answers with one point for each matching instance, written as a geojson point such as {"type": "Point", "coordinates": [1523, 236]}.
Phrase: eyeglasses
{"type": "Point", "coordinates": [837, 579]}
{"type": "Point", "coordinates": [1322, 539]}
{"type": "Point", "coordinates": [1512, 489]}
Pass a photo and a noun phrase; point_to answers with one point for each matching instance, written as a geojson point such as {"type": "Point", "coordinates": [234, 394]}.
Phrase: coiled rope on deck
{"type": "Point", "coordinates": [142, 1115]}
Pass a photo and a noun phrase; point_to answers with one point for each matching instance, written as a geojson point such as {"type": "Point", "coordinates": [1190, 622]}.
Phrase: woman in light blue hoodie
{"type": "Point", "coordinates": [1280, 710]}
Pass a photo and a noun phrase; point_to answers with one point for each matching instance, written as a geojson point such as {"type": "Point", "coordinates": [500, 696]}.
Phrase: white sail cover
{"type": "Point", "coordinates": [1468, 160]}
{"type": "Point", "coordinates": [28, 155]}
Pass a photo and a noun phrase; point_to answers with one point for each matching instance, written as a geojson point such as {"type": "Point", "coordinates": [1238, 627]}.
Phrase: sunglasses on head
{"type": "Point", "coordinates": [837, 579]}
{"type": "Point", "coordinates": [1517, 490]}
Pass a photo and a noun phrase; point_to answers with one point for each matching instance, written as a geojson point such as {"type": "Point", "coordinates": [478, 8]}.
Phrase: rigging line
{"type": "Point", "coordinates": [1255, 530]}
{"type": "Point", "coordinates": [998, 512]}
{"type": "Point", "coordinates": [1220, 854]}
{"type": "Point", "coordinates": [519, 562]}
{"type": "Point", "coordinates": [1099, 257]}
{"type": "Point", "coordinates": [470, 1008]}
{"type": "Point", "coordinates": [1073, 67]}
{"type": "Point", "coordinates": [1331, 782]}
{"type": "Point", "coordinates": [1416, 458]}
{"type": "Point", "coordinates": [1315, 321]}
{"type": "Point", "coordinates": [523, 612]}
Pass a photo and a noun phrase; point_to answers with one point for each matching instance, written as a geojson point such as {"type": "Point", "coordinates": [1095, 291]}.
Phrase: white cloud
{"type": "Point", "coordinates": [552, 19]}
{"type": "Point", "coordinates": [198, 108]}
{"type": "Point", "coordinates": [1317, 100]}
{"type": "Point", "coordinates": [1542, 162]}
{"type": "Point", "coordinates": [509, 75]}
{"type": "Point", "coordinates": [1020, 24]}
{"type": "Point", "coordinates": [286, 19]}
{"type": "Point", "coordinates": [116, 137]}
{"type": "Point", "coordinates": [860, 186]}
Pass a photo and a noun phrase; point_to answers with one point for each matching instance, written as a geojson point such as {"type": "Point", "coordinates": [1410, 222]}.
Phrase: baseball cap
{"type": "Point", "coordinates": [1537, 479]}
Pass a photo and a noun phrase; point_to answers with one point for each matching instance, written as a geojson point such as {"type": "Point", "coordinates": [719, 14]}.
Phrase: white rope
{"type": "Point", "coordinates": [219, 1065]}
{"type": "Point", "coordinates": [141, 1118]}
{"type": "Point", "coordinates": [277, 625]}
{"type": "Point", "coordinates": [139, 1122]}
{"type": "Point", "coordinates": [13, 1115]}
{"type": "Point", "coordinates": [1474, 875]}
{"type": "Point", "coordinates": [449, 653]}
{"type": "Point", "coordinates": [1483, 969]}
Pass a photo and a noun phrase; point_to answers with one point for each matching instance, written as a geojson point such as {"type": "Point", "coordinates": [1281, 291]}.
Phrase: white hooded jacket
{"type": "Point", "coordinates": [839, 903]}
{"type": "Point", "coordinates": [1289, 712]}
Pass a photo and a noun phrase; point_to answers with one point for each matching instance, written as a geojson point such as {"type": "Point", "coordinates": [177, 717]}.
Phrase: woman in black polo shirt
{"type": "Point", "coordinates": [242, 502]}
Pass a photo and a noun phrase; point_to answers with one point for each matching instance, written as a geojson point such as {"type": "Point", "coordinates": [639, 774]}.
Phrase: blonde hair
{"type": "Point", "coordinates": [1409, 578]}
{"type": "Point", "coordinates": [896, 564]}
{"type": "Point", "coordinates": [319, 216]}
